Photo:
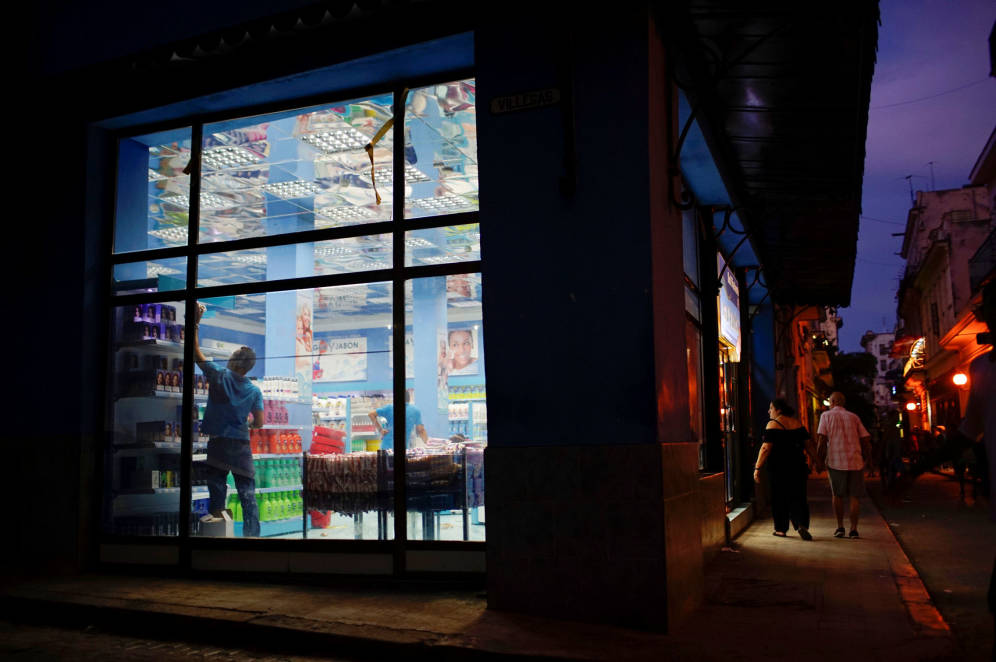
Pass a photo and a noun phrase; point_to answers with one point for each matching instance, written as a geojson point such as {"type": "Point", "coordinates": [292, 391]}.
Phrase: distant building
{"type": "Point", "coordinates": [879, 345]}
{"type": "Point", "coordinates": [945, 231]}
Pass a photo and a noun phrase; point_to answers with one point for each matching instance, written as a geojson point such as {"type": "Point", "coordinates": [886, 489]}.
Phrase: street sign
{"type": "Point", "coordinates": [525, 101]}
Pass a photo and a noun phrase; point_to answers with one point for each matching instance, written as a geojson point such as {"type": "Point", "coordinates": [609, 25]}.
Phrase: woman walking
{"type": "Point", "coordinates": [784, 451]}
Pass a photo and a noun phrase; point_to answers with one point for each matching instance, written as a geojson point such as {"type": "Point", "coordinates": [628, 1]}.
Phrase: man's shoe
{"type": "Point", "coordinates": [852, 534]}
{"type": "Point", "coordinates": [839, 533]}
{"type": "Point", "coordinates": [805, 535]}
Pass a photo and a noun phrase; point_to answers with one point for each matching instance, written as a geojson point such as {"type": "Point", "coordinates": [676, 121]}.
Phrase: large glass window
{"type": "Point", "coordinates": [145, 422]}
{"type": "Point", "coordinates": [290, 383]}
{"type": "Point", "coordinates": [446, 411]}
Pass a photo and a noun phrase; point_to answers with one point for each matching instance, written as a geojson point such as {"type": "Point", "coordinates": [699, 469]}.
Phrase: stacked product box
{"type": "Point", "coordinates": [150, 472]}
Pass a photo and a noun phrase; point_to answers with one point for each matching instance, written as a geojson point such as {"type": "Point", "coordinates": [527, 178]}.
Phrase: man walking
{"type": "Point", "coordinates": [845, 444]}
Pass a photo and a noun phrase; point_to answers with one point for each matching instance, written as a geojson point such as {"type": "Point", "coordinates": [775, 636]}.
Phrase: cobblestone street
{"type": "Point", "coordinates": [20, 641]}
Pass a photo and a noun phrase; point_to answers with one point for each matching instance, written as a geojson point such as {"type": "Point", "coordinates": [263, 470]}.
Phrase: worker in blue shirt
{"type": "Point", "coordinates": [413, 420]}
{"type": "Point", "coordinates": [232, 400]}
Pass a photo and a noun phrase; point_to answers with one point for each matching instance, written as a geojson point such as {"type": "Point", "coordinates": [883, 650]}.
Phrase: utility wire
{"type": "Point", "coordinates": [932, 96]}
{"type": "Point", "coordinates": [880, 220]}
{"type": "Point", "coordinates": [881, 264]}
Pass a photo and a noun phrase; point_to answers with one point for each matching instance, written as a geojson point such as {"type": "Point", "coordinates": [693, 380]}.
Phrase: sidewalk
{"type": "Point", "coordinates": [772, 599]}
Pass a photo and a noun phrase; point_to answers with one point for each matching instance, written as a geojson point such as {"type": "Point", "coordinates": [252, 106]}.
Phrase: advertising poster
{"type": "Point", "coordinates": [462, 351]}
{"type": "Point", "coordinates": [729, 310]}
{"type": "Point", "coordinates": [303, 347]}
{"type": "Point", "coordinates": [409, 355]}
{"type": "Point", "coordinates": [342, 360]}
{"type": "Point", "coordinates": [442, 373]}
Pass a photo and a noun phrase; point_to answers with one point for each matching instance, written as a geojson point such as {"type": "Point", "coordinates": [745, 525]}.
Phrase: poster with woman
{"type": "Point", "coordinates": [462, 352]}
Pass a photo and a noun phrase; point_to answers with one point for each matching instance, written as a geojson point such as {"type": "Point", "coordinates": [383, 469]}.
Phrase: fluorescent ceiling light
{"type": "Point", "coordinates": [418, 242]}
{"type": "Point", "coordinates": [334, 251]}
{"type": "Point", "coordinates": [447, 202]}
{"type": "Point", "coordinates": [155, 176]}
{"type": "Point", "coordinates": [451, 257]}
{"type": "Point", "coordinates": [346, 214]}
{"type": "Point", "coordinates": [250, 258]}
{"type": "Point", "coordinates": [227, 156]}
{"type": "Point", "coordinates": [293, 189]}
{"type": "Point", "coordinates": [337, 140]}
{"type": "Point", "coordinates": [153, 269]}
{"type": "Point", "coordinates": [171, 233]}
{"type": "Point", "coordinates": [385, 174]}
{"type": "Point", "coordinates": [208, 200]}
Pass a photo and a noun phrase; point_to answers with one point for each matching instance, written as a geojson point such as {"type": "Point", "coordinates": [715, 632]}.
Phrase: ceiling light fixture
{"type": "Point", "coordinates": [335, 141]}
{"type": "Point", "coordinates": [293, 189]}
{"type": "Point", "coordinates": [171, 233]}
{"type": "Point", "coordinates": [444, 202]}
{"type": "Point", "coordinates": [385, 175]}
{"type": "Point", "coordinates": [153, 269]}
{"type": "Point", "coordinates": [227, 156]}
{"type": "Point", "coordinates": [346, 214]}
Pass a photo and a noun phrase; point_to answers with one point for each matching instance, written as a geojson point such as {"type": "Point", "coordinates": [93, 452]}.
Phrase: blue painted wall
{"type": "Point", "coordinates": [567, 277]}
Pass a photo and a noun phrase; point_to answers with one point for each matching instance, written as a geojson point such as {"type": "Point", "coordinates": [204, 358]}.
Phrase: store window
{"type": "Point", "coordinates": [145, 422]}
{"type": "Point", "coordinates": [693, 331]}
{"type": "Point", "coordinates": [728, 303]}
{"type": "Point", "coordinates": [275, 238]}
{"type": "Point", "coordinates": [446, 413]}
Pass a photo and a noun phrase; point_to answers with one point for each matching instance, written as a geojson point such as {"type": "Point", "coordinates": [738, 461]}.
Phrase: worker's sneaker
{"type": "Point", "coordinates": [853, 533]}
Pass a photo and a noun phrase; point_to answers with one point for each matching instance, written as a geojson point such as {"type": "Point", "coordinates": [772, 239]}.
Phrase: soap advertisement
{"type": "Point", "coordinates": [342, 360]}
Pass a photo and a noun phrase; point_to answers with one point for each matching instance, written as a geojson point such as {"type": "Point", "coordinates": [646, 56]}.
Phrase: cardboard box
{"type": "Point", "coordinates": [218, 527]}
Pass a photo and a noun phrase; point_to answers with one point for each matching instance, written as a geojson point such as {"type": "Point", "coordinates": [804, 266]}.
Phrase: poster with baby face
{"type": "Point", "coordinates": [462, 351]}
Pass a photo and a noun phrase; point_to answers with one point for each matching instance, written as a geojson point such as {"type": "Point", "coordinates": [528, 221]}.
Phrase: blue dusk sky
{"type": "Point", "coordinates": [932, 100]}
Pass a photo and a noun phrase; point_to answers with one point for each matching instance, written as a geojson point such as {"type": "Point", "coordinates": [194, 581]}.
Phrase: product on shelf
{"type": "Point", "coordinates": [279, 388]}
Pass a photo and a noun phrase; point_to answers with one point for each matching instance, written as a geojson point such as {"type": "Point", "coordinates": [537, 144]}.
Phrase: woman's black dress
{"type": "Point", "coordinates": [788, 471]}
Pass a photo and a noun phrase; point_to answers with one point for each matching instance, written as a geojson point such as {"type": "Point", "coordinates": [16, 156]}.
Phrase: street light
{"type": "Point", "coordinates": [910, 406]}
{"type": "Point", "coordinates": [960, 379]}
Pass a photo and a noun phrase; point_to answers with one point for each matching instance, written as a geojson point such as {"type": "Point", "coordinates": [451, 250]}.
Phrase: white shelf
{"type": "Point", "coordinates": [330, 417]}
{"type": "Point", "coordinates": [199, 457]}
{"type": "Point", "coordinates": [275, 456]}
{"type": "Point", "coordinates": [170, 347]}
{"type": "Point", "coordinates": [145, 448]}
{"type": "Point", "coordinates": [276, 426]}
{"type": "Point", "coordinates": [281, 488]}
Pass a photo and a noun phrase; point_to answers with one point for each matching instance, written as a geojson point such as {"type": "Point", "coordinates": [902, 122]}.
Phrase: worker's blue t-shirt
{"type": "Point", "coordinates": [231, 398]}
{"type": "Point", "coordinates": [413, 417]}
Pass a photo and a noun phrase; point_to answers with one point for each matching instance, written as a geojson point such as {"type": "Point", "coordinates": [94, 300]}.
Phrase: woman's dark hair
{"type": "Point", "coordinates": [783, 407]}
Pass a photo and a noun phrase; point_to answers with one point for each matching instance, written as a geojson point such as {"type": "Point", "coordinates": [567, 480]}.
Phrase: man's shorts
{"type": "Point", "coordinates": [844, 483]}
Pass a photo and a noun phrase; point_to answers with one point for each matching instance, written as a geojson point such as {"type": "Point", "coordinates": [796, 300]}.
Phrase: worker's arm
{"type": "Point", "coordinates": [375, 419]}
{"type": "Point", "coordinates": [257, 419]}
{"type": "Point", "coordinates": [199, 357]}
{"type": "Point", "coordinates": [420, 431]}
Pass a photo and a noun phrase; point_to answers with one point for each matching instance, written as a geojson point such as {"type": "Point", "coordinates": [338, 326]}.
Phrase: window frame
{"type": "Point", "coordinates": [398, 275]}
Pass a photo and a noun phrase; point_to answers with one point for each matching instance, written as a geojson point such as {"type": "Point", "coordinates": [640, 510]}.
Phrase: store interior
{"type": "Point", "coordinates": [325, 358]}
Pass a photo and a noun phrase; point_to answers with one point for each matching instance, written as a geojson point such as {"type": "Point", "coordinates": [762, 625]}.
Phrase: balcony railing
{"type": "Point", "coordinates": [983, 262]}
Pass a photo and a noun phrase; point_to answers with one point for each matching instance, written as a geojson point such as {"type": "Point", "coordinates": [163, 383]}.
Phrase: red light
{"type": "Point", "coordinates": [960, 379]}
{"type": "Point", "coordinates": [910, 406]}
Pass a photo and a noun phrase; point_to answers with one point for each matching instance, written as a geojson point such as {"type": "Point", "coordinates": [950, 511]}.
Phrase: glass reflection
{"type": "Point", "coordinates": [153, 192]}
{"type": "Point", "coordinates": [441, 150]}
{"type": "Point", "coordinates": [295, 171]}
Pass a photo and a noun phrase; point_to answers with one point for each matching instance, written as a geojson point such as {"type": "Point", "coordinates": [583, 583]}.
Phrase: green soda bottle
{"type": "Point", "coordinates": [264, 507]}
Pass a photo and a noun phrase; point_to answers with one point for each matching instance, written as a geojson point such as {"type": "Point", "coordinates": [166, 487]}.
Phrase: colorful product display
{"type": "Point", "coordinates": [272, 505]}
{"type": "Point", "coordinates": [275, 442]}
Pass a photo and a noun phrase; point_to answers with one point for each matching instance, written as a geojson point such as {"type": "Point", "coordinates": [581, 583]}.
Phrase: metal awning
{"type": "Point", "coordinates": [780, 90]}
